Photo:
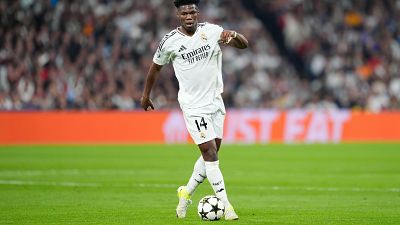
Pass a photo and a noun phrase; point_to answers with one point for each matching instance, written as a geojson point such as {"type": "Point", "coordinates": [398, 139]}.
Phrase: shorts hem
{"type": "Point", "coordinates": [202, 141]}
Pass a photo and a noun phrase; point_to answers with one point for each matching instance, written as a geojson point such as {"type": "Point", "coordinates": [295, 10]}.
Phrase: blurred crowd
{"type": "Point", "coordinates": [348, 51]}
{"type": "Point", "coordinates": [94, 55]}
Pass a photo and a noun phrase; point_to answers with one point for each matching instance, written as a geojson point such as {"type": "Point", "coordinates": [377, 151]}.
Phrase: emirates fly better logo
{"type": "Point", "coordinates": [196, 54]}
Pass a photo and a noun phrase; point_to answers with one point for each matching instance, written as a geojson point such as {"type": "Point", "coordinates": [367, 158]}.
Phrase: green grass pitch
{"type": "Point", "coordinates": [267, 184]}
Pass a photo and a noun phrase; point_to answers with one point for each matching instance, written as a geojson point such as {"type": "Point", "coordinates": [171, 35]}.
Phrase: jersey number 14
{"type": "Point", "coordinates": [201, 124]}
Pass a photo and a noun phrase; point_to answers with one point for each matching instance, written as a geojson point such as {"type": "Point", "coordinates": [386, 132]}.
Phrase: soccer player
{"type": "Point", "coordinates": [193, 48]}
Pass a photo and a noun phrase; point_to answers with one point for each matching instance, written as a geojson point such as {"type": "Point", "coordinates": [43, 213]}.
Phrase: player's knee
{"type": "Point", "coordinates": [209, 154]}
{"type": "Point", "coordinates": [209, 151]}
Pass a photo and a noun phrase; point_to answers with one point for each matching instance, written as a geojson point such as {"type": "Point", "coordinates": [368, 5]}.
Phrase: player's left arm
{"type": "Point", "coordinates": [234, 39]}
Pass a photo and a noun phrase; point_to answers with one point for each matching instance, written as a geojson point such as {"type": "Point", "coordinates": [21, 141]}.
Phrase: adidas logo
{"type": "Point", "coordinates": [183, 48]}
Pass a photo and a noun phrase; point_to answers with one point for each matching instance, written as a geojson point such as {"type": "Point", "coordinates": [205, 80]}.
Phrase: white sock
{"type": "Point", "coordinates": [198, 175]}
{"type": "Point", "coordinates": [216, 180]}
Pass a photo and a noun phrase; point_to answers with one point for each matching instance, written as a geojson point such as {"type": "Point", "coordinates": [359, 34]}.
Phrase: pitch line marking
{"type": "Point", "coordinates": [54, 172]}
{"type": "Point", "coordinates": [142, 185]}
{"type": "Point", "coordinates": [48, 183]}
{"type": "Point", "coordinates": [333, 189]}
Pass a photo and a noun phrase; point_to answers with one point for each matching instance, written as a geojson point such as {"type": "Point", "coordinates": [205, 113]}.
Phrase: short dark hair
{"type": "Point", "coordinates": [179, 3]}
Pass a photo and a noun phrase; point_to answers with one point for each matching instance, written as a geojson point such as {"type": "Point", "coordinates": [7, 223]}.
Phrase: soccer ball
{"type": "Point", "coordinates": [210, 208]}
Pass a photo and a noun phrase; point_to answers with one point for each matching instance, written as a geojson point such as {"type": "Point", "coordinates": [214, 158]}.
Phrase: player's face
{"type": "Point", "coordinates": [187, 15]}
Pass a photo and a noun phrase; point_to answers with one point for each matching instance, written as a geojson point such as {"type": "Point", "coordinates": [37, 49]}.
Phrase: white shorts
{"type": "Point", "coordinates": [205, 124]}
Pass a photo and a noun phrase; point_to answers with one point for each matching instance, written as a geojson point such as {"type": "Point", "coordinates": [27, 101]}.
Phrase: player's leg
{"type": "Point", "coordinates": [197, 178]}
{"type": "Point", "coordinates": [206, 131]}
{"type": "Point", "coordinates": [185, 192]}
{"type": "Point", "coordinates": [218, 122]}
{"type": "Point", "coordinates": [200, 131]}
{"type": "Point", "coordinates": [214, 176]}
{"type": "Point", "coordinates": [198, 175]}
{"type": "Point", "coordinates": [199, 171]}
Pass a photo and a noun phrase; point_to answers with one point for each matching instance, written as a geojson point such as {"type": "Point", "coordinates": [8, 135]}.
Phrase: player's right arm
{"type": "Point", "coordinates": [152, 76]}
{"type": "Point", "coordinates": [161, 57]}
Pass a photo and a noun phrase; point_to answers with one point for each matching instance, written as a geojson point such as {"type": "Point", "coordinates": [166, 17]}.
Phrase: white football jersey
{"type": "Point", "coordinates": [197, 63]}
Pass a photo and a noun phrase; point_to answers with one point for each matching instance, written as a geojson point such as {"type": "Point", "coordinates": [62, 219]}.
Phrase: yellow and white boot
{"type": "Point", "coordinates": [184, 202]}
{"type": "Point", "coordinates": [230, 213]}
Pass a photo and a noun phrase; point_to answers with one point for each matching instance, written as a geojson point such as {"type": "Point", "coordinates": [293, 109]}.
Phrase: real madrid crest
{"type": "Point", "coordinates": [202, 135]}
{"type": "Point", "coordinates": [203, 37]}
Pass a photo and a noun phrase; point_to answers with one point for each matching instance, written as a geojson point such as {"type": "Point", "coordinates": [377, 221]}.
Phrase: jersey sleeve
{"type": "Point", "coordinates": [216, 30]}
{"type": "Point", "coordinates": [162, 56]}
{"type": "Point", "coordinates": [163, 53]}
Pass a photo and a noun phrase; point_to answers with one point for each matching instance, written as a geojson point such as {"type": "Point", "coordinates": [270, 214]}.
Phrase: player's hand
{"type": "Point", "coordinates": [226, 36]}
{"type": "Point", "coordinates": [146, 103]}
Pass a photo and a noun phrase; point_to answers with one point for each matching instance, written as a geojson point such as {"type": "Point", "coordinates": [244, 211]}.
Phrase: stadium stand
{"type": "Point", "coordinates": [94, 55]}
